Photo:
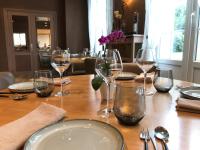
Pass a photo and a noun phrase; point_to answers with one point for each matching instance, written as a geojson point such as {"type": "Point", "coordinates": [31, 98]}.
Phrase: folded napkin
{"type": "Point", "coordinates": [14, 134]}
{"type": "Point", "coordinates": [65, 80]}
{"type": "Point", "coordinates": [140, 78]}
{"type": "Point", "coordinates": [188, 105]}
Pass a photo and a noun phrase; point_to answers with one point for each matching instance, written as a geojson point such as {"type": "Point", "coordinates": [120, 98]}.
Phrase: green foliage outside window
{"type": "Point", "coordinates": [179, 26]}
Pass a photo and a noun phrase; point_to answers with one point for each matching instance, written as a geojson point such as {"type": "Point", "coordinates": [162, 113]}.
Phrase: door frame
{"type": "Point", "coordinates": [8, 12]}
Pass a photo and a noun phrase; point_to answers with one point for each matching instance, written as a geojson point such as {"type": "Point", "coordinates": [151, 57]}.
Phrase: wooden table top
{"type": "Point", "coordinates": [83, 103]}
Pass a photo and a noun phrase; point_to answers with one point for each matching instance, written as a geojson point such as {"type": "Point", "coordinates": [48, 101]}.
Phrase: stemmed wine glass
{"type": "Point", "coordinates": [60, 61]}
{"type": "Point", "coordinates": [145, 59]}
{"type": "Point", "coordinates": [108, 66]}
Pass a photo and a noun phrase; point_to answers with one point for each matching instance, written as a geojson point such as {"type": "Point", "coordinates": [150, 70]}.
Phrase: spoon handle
{"type": "Point", "coordinates": [145, 145]}
{"type": "Point", "coordinates": [165, 145]}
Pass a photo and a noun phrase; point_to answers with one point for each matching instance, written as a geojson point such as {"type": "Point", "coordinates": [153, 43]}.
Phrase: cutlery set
{"type": "Point", "coordinates": [159, 132]}
{"type": "Point", "coordinates": [14, 96]}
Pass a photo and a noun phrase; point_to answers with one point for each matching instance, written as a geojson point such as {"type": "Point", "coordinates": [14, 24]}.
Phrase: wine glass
{"type": "Point", "coordinates": [60, 61]}
{"type": "Point", "coordinates": [108, 66]}
{"type": "Point", "coordinates": [145, 59]}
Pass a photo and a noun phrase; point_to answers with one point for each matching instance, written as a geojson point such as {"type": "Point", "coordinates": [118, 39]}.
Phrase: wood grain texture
{"type": "Point", "coordinates": [83, 102]}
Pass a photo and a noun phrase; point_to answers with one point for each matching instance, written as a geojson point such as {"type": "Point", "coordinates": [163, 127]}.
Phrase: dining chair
{"type": "Point", "coordinates": [6, 79]}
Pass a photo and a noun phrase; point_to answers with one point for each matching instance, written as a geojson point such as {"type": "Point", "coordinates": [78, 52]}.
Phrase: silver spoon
{"type": "Point", "coordinates": [162, 134]}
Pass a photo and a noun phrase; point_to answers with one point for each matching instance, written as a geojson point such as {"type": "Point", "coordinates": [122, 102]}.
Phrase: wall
{"type": "Point", "coordinates": [130, 7]}
{"type": "Point", "coordinates": [77, 25]}
{"type": "Point", "coordinates": [46, 5]}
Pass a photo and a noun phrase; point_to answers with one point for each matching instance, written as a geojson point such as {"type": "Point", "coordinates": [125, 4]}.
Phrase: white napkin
{"type": "Point", "coordinates": [188, 105]}
{"type": "Point", "coordinates": [14, 134]}
{"type": "Point", "coordinates": [65, 80]}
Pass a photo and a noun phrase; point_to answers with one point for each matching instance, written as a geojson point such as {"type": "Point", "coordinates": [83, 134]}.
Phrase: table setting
{"type": "Point", "coordinates": [133, 118]}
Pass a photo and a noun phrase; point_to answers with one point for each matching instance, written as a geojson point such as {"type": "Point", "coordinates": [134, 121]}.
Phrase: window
{"type": "Point", "coordinates": [172, 41]}
{"type": "Point", "coordinates": [198, 34]}
{"type": "Point", "coordinates": [19, 39]}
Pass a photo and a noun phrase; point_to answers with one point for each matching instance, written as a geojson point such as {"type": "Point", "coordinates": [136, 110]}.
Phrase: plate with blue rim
{"type": "Point", "coordinates": [78, 134]}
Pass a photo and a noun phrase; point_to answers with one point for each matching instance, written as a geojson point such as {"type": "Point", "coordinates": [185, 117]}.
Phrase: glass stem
{"type": "Point", "coordinates": [61, 85]}
{"type": "Point", "coordinates": [145, 76]}
{"type": "Point", "coordinates": [108, 96]}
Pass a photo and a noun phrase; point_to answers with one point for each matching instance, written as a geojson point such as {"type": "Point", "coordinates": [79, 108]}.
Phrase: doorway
{"type": "Point", "coordinates": [28, 34]}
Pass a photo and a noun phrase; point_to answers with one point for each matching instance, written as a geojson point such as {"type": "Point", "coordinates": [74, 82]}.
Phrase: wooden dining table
{"type": "Point", "coordinates": [83, 102]}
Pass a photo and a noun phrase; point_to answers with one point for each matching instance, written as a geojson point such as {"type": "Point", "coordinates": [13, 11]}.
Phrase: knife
{"type": "Point", "coordinates": [153, 140]}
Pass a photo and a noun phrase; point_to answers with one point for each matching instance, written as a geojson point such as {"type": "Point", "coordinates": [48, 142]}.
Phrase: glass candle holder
{"type": "Point", "coordinates": [43, 83]}
{"type": "Point", "coordinates": [129, 104]}
{"type": "Point", "coordinates": [163, 79]}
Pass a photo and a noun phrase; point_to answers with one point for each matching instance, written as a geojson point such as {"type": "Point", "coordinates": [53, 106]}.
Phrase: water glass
{"type": "Point", "coordinates": [43, 83]}
{"type": "Point", "coordinates": [129, 104]}
{"type": "Point", "coordinates": [163, 79]}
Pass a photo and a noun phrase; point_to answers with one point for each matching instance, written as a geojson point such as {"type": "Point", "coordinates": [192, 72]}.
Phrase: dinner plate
{"type": "Point", "coordinates": [76, 135]}
{"type": "Point", "coordinates": [22, 87]}
{"type": "Point", "coordinates": [126, 76]}
{"type": "Point", "coordinates": [191, 92]}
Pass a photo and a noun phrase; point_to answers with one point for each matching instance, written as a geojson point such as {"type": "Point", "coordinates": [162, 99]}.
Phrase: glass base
{"type": "Point", "coordinates": [63, 93]}
{"type": "Point", "coordinates": [105, 112]}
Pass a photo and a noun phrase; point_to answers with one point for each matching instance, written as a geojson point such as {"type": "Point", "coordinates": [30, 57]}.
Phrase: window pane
{"type": "Point", "coordinates": [43, 33]}
{"type": "Point", "coordinates": [20, 32]}
{"type": "Point", "coordinates": [198, 34]}
{"type": "Point", "coordinates": [172, 40]}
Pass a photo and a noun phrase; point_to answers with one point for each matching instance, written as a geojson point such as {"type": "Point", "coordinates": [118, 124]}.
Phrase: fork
{"type": "Point", "coordinates": [144, 135]}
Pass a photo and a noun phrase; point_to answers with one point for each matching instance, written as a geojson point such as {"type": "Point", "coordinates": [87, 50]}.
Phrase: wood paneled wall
{"type": "Point", "coordinates": [77, 25]}
{"type": "Point", "coordinates": [77, 22]}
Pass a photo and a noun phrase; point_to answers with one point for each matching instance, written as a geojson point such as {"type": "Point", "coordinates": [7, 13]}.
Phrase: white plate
{"type": "Point", "coordinates": [191, 92]}
{"type": "Point", "coordinates": [76, 135]}
{"type": "Point", "coordinates": [22, 87]}
{"type": "Point", "coordinates": [126, 76]}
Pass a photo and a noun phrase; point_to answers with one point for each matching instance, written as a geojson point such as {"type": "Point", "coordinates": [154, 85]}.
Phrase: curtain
{"type": "Point", "coordinates": [100, 18]}
{"type": "Point", "coordinates": [159, 25]}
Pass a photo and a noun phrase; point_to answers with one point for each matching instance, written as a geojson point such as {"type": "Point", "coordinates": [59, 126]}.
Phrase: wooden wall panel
{"type": "Point", "coordinates": [77, 36]}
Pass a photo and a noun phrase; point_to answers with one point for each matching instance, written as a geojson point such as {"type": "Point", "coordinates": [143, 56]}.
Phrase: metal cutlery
{"type": "Point", "coordinates": [153, 139]}
{"type": "Point", "coordinates": [144, 135]}
{"type": "Point", "coordinates": [162, 134]}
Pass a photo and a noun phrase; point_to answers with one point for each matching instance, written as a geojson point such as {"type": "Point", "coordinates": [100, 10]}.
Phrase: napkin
{"type": "Point", "coordinates": [65, 80]}
{"type": "Point", "coordinates": [188, 105]}
{"type": "Point", "coordinates": [14, 134]}
{"type": "Point", "coordinates": [140, 78]}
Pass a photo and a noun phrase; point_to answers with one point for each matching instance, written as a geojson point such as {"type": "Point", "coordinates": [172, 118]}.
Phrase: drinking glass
{"type": "Point", "coordinates": [60, 61]}
{"type": "Point", "coordinates": [145, 59]}
{"type": "Point", "coordinates": [108, 66]}
{"type": "Point", "coordinates": [163, 79]}
{"type": "Point", "coordinates": [129, 104]}
{"type": "Point", "coordinates": [43, 83]}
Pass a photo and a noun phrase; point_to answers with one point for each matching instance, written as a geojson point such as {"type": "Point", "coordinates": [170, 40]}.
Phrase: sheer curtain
{"type": "Point", "coordinates": [100, 18]}
{"type": "Point", "coordinates": [159, 25]}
